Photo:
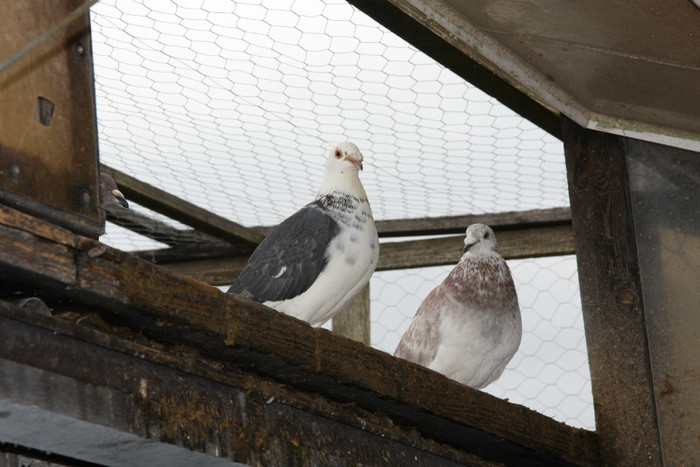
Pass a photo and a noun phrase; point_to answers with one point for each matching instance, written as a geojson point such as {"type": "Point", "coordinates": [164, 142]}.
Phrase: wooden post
{"type": "Point", "coordinates": [666, 207]}
{"type": "Point", "coordinates": [611, 297]}
{"type": "Point", "coordinates": [48, 130]}
{"type": "Point", "coordinates": [353, 320]}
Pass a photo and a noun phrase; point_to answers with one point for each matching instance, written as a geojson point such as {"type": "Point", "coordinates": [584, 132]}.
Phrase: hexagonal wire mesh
{"type": "Point", "coordinates": [233, 106]}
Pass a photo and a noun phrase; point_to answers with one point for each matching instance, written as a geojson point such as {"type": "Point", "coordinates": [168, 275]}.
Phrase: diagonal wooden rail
{"type": "Point", "coordinates": [183, 211]}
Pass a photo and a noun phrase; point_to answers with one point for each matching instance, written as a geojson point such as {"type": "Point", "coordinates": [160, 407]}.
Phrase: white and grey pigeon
{"type": "Point", "coordinates": [469, 327]}
{"type": "Point", "coordinates": [313, 262]}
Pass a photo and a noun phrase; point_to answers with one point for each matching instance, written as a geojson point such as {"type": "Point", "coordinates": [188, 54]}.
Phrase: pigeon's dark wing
{"type": "Point", "coordinates": [289, 259]}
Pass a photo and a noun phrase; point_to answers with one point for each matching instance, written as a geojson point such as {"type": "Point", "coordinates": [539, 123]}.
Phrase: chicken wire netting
{"type": "Point", "coordinates": [233, 106]}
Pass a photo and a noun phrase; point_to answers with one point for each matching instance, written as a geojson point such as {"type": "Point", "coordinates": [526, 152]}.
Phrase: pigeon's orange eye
{"type": "Point", "coordinates": [338, 154]}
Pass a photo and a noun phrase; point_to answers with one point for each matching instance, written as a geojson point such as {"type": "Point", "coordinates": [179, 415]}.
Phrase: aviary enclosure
{"type": "Point", "coordinates": [215, 120]}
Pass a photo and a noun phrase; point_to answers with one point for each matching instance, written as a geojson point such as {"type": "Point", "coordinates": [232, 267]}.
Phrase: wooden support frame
{"type": "Point", "coordinates": [168, 308]}
{"type": "Point", "coordinates": [167, 204]}
{"type": "Point", "coordinates": [426, 226]}
{"type": "Point", "coordinates": [353, 320]}
{"type": "Point", "coordinates": [47, 121]}
{"type": "Point", "coordinates": [611, 297]}
{"type": "Point", "coordinates": [540, 234]}
{"type": "Point", "coordinates": [157, 230]}
{"type": "Point", "coordinates": [184, 211]}
{"type": "Point", "coordinates": [514, 244]}
{"type": "Point", "coordinates": [663, 184]}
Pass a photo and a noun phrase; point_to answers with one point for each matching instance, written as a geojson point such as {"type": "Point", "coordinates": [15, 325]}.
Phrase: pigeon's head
{"type": "Point", "coordinates": [345, 156]}
{"type": "Point", "coordinates": [480, 239]}
{"type": "Point", "coordinates": [109, 192]}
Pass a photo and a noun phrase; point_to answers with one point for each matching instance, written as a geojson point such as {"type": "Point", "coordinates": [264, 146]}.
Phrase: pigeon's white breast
{"type": "Point", "coordinates": [353, 256]}
{"type": "Point", "coordinates": [475, 348]}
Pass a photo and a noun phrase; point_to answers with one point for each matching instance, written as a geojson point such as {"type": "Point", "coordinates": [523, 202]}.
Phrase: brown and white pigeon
{"type": "Point", "coordinates": [313, 262]}
{"type": "Point", "coordinates": [469, 327]}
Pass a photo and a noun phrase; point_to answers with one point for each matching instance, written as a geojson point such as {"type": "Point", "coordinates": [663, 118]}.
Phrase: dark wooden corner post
{"type": "Point", "coordinates": [48, 137]}
{"type": "Point", "coordinates": [611, 297]}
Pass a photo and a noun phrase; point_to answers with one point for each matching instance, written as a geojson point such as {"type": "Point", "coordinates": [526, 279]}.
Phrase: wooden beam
{"type": "Point", "coordinates": [184, 211]}
{"type": "Point", "coordinates": [353, 320]}
{"type": "Point", "coordinates": [514, 244]}
{"type": "Point", "coordinates": [170, 405]}
{"type": "Point", "coordinates": [213, 271]}
{"type": "Point", "coordinates": [516, 220]}
{"type": "Point", "coordinates": [143, 297]}
{"type": "Point", "coordinates": [155, 229]}
{"type": "Point", "coordinates": [611, 298]}
{"type": "Point", "coordinates": [458, 224]}
{"type": "Point", "coordinates": [47, 116]}
{"type": "Point", "coordinates": [664, 184]}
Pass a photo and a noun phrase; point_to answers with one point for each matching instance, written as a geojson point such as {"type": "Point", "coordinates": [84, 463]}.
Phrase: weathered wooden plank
{"type": "Point", "coordinates": [130, 401]}
{"type": "Point", "coordinates": [611, 298]}
{"type": "Point", "coordinates": [459, 224]}
{"type": "Point", "coordinates": [183, 211]}
{"type": "Point", "coordinates": [115, 279]}
{"type": "Point", "coordinates": [155, 229]}
{"type": "Point", "coordinates": [146, 298]}
{"type": "Point", "coordinates": [514, 244]}
{"type": "Point", "coordinates": [20, 257]}
{"type": "Point", "coordinates": [18, 220]}
{"type": "Point", "coordinates": [353, 320]}
{"type": "Point", "coordinates": [350, 363]}
{"type": "Point", "coordinates": [664, 184]}
{"type": "Point", "coordinates": [47, 118]}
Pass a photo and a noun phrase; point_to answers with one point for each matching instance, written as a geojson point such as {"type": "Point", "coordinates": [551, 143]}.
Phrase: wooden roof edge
{"type": "Point", "coordinates": [141, 295]}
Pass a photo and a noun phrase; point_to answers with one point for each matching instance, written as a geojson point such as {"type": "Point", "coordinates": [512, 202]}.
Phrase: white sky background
{"type": "Point", "coordinates": [234, 106]}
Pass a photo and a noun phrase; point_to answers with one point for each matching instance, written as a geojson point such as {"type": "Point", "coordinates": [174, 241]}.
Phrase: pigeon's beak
{"type": "Point", "coordinates": [356, 159]}
{"type": "Point", "coordinates": [121, 199]}
{"type": "Point", "coordinates": [468, 243]}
